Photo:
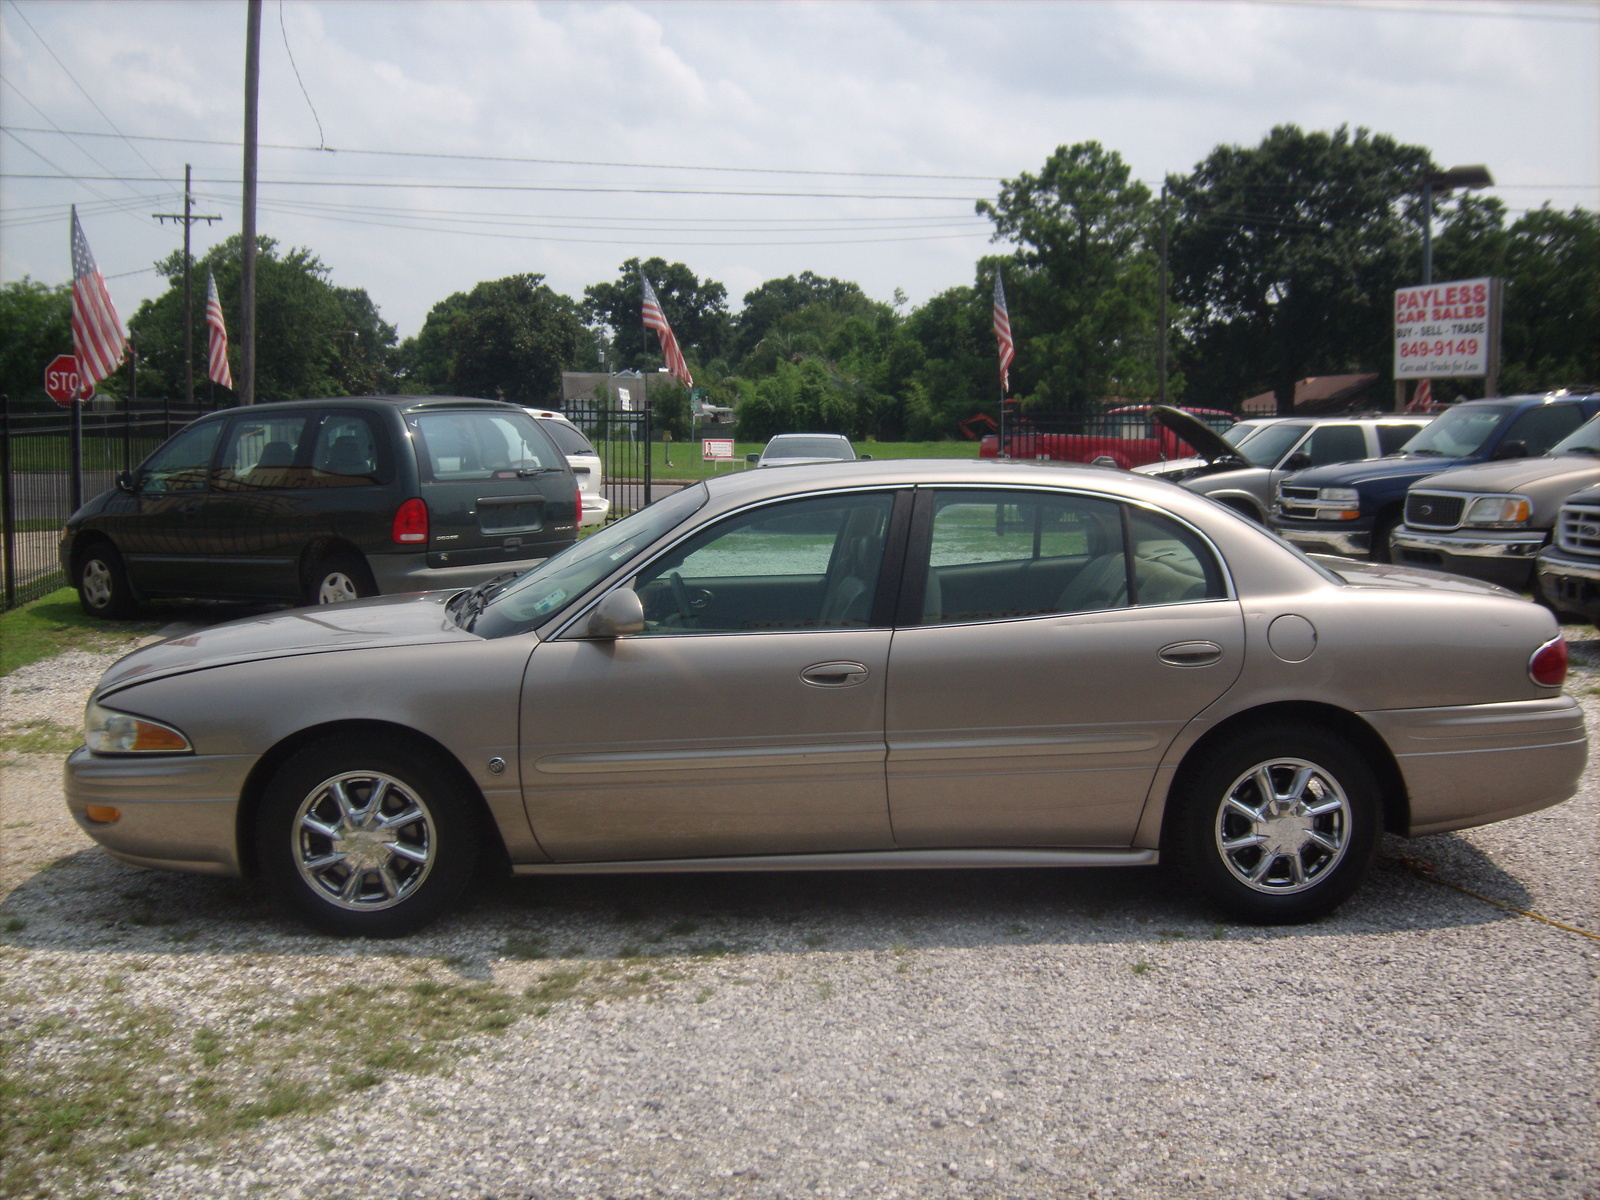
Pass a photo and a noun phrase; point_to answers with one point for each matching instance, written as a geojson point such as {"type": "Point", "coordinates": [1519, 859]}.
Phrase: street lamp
{"type": "Point", "coordinates": [1445, 181]}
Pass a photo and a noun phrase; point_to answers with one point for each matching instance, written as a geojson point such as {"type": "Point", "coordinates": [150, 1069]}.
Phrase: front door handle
{"type": "Point", "coordinates": [1190, 654]}
{"type": "Point", "coordinates": [835, 674]}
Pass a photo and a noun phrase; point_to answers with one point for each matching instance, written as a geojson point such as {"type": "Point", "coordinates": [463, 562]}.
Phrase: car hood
{"type": "Point", "coordinates": [408, 620]}
{"type": "Point", "coordinates": [1383, 575]}
{"type": "Point", "coordinates": [1358, 473]}
{"type": "Point", "coordinates": [1206, 441]}
{"type": "Point", "coordinates": [1518, 473]}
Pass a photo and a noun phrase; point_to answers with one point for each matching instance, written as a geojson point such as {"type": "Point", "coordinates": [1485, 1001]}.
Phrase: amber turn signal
{"type": "Point", "coordinates": [102, 814]}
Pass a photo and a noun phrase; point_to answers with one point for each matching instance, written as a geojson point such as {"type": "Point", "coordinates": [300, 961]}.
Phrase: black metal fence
{"type": "Point", "coordinates": [50, 462]}
{"type": "Point", "coordinates": [621, 437]}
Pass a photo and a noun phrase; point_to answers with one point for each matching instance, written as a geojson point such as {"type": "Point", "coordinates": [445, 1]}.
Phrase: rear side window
{"type": "Point", "coordinates": [348, 453]}
{"type": "Point", "coordinates": [264, 453]}
{"type": "Point", "coordinates": [480, 445]}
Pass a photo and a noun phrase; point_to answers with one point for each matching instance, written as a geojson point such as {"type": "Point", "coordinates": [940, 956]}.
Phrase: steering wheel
{"type": "Point", "coordinates": [680, 597]}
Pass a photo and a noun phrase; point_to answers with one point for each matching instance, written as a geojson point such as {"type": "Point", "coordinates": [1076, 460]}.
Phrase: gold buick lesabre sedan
{"type": "Point", "coordinates": [859, 665]}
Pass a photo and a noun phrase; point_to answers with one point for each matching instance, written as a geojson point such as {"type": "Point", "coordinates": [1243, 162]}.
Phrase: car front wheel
{"type": "Point", "coordinates": [372, 838]}
{"type": "Point", "coordinates": [1276, 826]}
{"type": "Point", "coordinates": [102, 582]}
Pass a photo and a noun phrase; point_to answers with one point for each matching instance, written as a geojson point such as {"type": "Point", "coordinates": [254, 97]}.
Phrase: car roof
{"type": "Point", "coordinates": [404, 403]}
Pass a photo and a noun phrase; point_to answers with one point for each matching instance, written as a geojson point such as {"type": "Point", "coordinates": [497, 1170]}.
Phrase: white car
{"type": "Point", "coordinates": [793, 449]}
{"type": "Point", "coordinates": [583, 460]}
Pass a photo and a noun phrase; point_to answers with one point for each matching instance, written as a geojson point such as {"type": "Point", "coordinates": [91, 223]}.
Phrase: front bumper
{"type": "Point", "coordinates": [178, 812]}
{"type": "Point", "coordinates": [1337, 540]}
{"type": "Point", "coordinates": [1568, 583]}
{"type": "Point", "coordinates": [1503, 558]}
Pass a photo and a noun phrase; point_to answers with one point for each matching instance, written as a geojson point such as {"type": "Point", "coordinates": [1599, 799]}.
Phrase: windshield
{"type": "Point", "coordinates": [1583, 440]}
{"type": "Point", "coordinates": [803, 447]}
{"type": "Point", "coordinates": [538, 593]}
{"type": "Point", "coordinates": [1459, 433]}
{"type": "Point", "coordinates": [1269, 446]}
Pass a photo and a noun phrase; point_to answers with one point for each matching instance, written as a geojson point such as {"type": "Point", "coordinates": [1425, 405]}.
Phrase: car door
{"type": "Point", "coordinates": [747, 718]}
{"type": "Point", "coordinates": [258, 518]}
{"type": "Point", "coordinates": [1050, 646]}
{"type": "Point", "coordinates": [159, 533]}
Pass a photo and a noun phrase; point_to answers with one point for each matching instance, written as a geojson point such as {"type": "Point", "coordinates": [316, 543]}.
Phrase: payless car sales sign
{"type": "Point", "coordinates": [1443, 329]}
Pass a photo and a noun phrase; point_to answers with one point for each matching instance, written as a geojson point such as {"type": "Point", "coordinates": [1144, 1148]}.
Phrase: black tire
{"type": "Point", "coordinates": [382, 875]}
{"type": "Point", "coordinates": [335, 578]}
{"type": "Point", "coordinates": [1386, 525]}
{"type": "Point", "coordinates": [102, 582]}
{"type": "Point", "coordinates": [1306, 863]}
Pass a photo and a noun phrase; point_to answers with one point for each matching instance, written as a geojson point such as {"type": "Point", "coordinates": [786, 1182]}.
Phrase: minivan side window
{"type": "Point", "coordinates": [260, 453]}
{"type": "Point", "coordinates": [348, 453]}
{"type": "Point", "coordinates": [180, 465]}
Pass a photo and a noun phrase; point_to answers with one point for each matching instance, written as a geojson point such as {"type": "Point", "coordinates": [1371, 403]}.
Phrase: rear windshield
{"type": "Point", "coordinates": [567, 437]}
{"type": "Point", "coordinates": [461, 445]}
{"type": "Point", "coordinates": [802, 447]}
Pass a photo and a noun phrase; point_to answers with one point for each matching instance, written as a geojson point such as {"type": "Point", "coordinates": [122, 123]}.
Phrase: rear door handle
{"type": "Point", "coordinates": [835, 674]}
{"type": "Point", "coordinates": [1190, 654]}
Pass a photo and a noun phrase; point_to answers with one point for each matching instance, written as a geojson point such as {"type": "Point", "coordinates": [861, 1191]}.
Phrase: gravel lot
{"type": "Point", "coordinates": [971, 1034]}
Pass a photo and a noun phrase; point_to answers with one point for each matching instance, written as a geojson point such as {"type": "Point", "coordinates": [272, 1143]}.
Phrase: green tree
{"type": "Point", "coordinates": [776, 299]}
{"type": "Point", "coordinates": [1082, 285]}
{"type": "Point", "coordinates": [1287, 255]}
{"type": "Point", "coordinates": [1551, 330]}
{"type": "Point", "coordinates": [312, 338]}
{"type": "Point", "coordinates": [697, 311]}
{"type": "Point", "coordinates": [35, 326]}
{"type": "Point", "coordinates": [505, 339]}
{"type": "Point", "coordinates": [958, 374]}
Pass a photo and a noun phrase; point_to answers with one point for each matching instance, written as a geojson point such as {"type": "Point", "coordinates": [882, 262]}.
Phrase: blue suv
{"type": "Point", "coordinates": [1351, 508]}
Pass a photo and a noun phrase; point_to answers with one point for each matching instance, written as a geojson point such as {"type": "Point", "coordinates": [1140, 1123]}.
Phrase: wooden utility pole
{"type": "Point", "coordinates": [247, 282]}
{"type": "Point", "coordinates": [1161, 349]}
{"type": "Point", "coordinates": [188, 219]}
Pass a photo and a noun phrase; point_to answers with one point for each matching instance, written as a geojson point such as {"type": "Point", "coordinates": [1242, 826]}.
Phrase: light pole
{"type": "Point", "coordinates": [1445, 182]}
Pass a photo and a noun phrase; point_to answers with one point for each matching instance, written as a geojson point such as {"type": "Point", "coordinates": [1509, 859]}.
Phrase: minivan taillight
{"type": "Point", "coordinates": [1548, 666]}
{"type": "Point", "coordinates": [411, 522]}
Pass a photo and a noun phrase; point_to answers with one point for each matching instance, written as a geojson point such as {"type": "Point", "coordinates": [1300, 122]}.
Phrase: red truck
{"type": "Point", "coordinates": [1127, 436]}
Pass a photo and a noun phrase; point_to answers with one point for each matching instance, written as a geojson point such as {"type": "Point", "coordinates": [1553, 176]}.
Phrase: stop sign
{"type": "Point", "coordinates": [61, 382]}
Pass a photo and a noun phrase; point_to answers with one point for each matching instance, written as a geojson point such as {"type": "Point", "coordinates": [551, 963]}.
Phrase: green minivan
{"type": "Point", "coordinates": [319, 501]}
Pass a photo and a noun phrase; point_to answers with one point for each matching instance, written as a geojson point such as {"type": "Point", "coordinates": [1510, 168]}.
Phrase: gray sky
{"type": "Point", "coordinates": [748, 140]}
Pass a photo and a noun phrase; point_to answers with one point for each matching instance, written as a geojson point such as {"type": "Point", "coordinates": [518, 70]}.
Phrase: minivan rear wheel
{"type": "Point", "coordinates": [336, 578]}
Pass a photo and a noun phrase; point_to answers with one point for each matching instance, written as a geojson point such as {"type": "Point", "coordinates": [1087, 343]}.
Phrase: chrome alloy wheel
{"type": "Point", "coordinates": [336, 588]}
{"type": "Point", "coordinates": [96, 580]}
{"type": "Point", "coordinates": [363, 841]}
{"type": "Point", "coordinates": [1283, 826]}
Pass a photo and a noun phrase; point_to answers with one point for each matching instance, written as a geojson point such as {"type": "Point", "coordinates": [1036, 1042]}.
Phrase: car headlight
{"type": "Point", "coordinates": [108, 732]}
{"type": "Point", "coordinates": [1344, 497]}
{"type": "Point", "coordinates": [1502, 512]}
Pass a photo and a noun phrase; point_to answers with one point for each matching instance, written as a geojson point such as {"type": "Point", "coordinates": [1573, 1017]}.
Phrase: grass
{"type": "Point", "coordinates": [123, 1073]}
{"type": "Point", "coordinates": [38, 737]}
{"type": "Point", "coordinates": [56, 623]}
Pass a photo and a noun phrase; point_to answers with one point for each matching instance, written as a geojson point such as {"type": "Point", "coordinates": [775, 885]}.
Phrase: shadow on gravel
{"type": "Point", "coordinates": [87, 901]}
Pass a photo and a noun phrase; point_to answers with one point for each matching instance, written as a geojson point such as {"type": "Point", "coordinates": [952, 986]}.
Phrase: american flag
{"type": "Point", "coordinates": [1422, 398]}
{"type": "Point", "coordinates": [655, 319]}
{"type": "Point", "coordinates": [217, 366]}
{"type": "Point", "coordinates": [97, 337]}
{"type": "Point", "coordinates": [1002, 334]}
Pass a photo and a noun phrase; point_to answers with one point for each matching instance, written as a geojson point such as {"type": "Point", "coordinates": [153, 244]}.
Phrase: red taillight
{"type": "Point", "coordinates": [578, 520]}
{"type": "Point", "coordinates": [411, 522]}
{"type": "Point", "coordinates": [1548, 666]}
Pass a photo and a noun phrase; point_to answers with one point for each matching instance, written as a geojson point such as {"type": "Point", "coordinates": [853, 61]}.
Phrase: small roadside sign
{"type": "Point", "coordinates": [61, 381]}
{"type": "Point", "coordinates": [716, 449]}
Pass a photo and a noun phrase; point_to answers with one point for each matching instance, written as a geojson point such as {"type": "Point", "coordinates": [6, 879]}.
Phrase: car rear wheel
{"type": "Point", "coordinates": [371, 839]}
{"type": "Point", "coordinates": [339, 577]}
{"type": "Point", "coordinates": [102, 582]}
{"type": "Point", "coordinates": [1275, 826]}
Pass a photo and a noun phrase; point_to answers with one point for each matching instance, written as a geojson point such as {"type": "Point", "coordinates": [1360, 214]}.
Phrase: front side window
{"type": "Point", "coordinates": [1540, 428]}
{"type": "Point", "coordinates": [800, 564]}
{"type": "Point", "coordinates": [1336, 444]}
{"type": "Point", "coordinates": [181, 465]}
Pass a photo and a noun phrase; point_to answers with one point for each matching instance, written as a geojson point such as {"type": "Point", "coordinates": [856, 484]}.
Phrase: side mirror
{"type": "Point", "coordinates": [1298, 461]}
{"type": "Point", "coordinates": [866, 458]}
{"type": "Point", "coordinates": [618, 614]}
{"type": "Point", "coordinates": [752, 458]}
{"type": "Point", "coordinates": [125, 481]}
{"type": "Point", "coordinates": [1512, 450]}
